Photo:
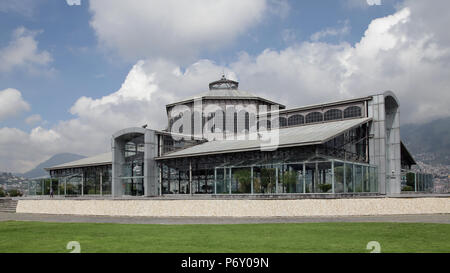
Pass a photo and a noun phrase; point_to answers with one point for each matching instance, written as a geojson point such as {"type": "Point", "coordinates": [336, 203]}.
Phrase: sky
{"type": "Point", "coordinates": [72, 72]}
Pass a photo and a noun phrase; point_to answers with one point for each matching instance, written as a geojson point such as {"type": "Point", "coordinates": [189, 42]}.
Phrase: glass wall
{"type": "Point", "coordinates": [133, 186]}
{"type": "Point", "coordinates": [265, 179]}
{"type": "Point", "coordinates": [132, 176]}
{"type": "Point", "coordinates": [416, 181]}
{"type": "Point", "coordinates": [358, 178]}
{"type": "Point", "coordinates": [241, 180]}
{"type": "Point", "coordinates": [338, 177]}
{"type": "Point", "coordinates": [92, 180]}
{"type": "Point", "coordinates": [291, 178]}
{"type": "Point", "coordinates": [222, 180]}
{"type": "Point", "coordinates": [333, 176]}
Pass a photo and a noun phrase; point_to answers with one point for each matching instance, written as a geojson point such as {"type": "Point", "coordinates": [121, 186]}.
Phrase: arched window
{"type": "Point", "coordinates": [235, 123]}
{"type": "Point", "coordinates": [295, 120]}
{"type": "Point", "coordinates": [314, 117]}
{"type": "Point", "coordinates": [352, 111]}
{"type": "Point", "coordinates": [333, 114]}
{"type": "Point", "coordinates": [264, 123]}
{"type": "Point", "coordinates": [282, 122]}
{"type": "Point", "coordinates": [219, 121]}
{"type": "Point", "coordinates": [247, 122]}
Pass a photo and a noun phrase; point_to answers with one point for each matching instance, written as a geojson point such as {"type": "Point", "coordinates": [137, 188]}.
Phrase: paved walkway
{"type": "Point", "coordinates": [425, 218]}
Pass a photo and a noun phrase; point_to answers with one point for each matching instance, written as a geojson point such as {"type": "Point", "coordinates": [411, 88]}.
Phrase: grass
{"type": "Point", "coordinates": [302, 237]}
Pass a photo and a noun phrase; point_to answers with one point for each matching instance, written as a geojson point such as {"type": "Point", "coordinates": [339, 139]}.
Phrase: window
{"type": "Point", "coordinates": [352, 111]}
{"type": "Point", "coordinates": [314, 117]}
{"type": "Point", "coordinates": [333, 114]}
{"type": "Point", "coordinates": [235, 123]}
{"type": "Point", "coordinates": [264, 124]}
{"type": "Point", "coordinates": [219, 121]}
{"type": "Point", "coordinates": [295, 120]}
{"type": "Point", "coordinates": [282, 122]}
{"type": "Point", "coordinates": [247, 122]}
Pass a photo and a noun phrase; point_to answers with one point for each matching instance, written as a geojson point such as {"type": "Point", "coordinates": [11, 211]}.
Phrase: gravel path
{"type": "Point", "coordinates": [425, 218]}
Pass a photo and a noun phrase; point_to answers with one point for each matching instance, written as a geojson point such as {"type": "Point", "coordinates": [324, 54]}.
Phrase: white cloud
{"type": "Point", "coordinates": [407, 52]}
{"type": "Point", "coordinates": [22, 151]}
{"type": "Point", "coordinates": [12, 103]}
{"type": "Point", "coordinates": [23, 52]}
{"type": "Point", "coordinates": [23, 7]}
{"type": "Point", "coordinates": [73, 2]}
{"type": "Point", "coordinates": [33, 119]}
{"type": "Point", "coordinates": [373, 2]}
{"type": "Point", "coordinates": [174, 29]}
{"type": "Point", "coordinates": [366, 4]}
{"type": "Point", "coordinates": [332, 32]}
{"type": "Point", "coordinates": [141, 99]}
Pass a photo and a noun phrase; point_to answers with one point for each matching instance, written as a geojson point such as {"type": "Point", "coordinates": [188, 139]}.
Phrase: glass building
{"type": "Point", "coordinates": [229, 142]}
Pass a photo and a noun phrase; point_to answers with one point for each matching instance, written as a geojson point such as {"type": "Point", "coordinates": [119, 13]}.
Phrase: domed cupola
{"type": "Point", "coordinates": [224, 83]}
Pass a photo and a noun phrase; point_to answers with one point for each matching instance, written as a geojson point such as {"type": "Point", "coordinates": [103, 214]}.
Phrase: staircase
{"type": "Point", "coordinates": [8, 205]}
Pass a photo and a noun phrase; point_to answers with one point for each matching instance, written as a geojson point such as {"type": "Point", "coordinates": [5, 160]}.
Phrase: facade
{"type": "Point", "coordinates": [227, 141]}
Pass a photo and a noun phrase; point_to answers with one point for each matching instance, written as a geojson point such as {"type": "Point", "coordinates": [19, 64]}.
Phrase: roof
{"type": "Point", "coordinates": [312, 134]}
{"type": "Point", "coordinates": [97, 160]}
{"type": "Point", "coordinates": [223, 83]}
{"type": "Point", "coordinates": [321, 105]}
{"type": "Point", "coordinates": [406, 155]}
{"type": "Point", "coordinates": [224, 94]}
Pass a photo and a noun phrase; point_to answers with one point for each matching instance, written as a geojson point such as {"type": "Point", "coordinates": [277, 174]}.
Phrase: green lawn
{"type": "Point", "coordinates": [304, 237]}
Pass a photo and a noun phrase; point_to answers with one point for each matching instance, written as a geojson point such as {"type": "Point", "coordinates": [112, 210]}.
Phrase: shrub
{"type": "Point", "coordinates": [324, 187]}
{"type": "Point", "coordinates": [407, 188]}
{"type": "Point", "coordinates": [2, 192]}
{"type": "Point", "coordinates": [14, 193]}
{"type": "Point", "coordinates": [243, 177]}
{"type": "Point", "coordinates": [410, 179]}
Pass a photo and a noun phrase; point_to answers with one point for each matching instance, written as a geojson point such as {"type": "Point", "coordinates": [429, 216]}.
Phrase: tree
{"type": "Point", "coordinates": [410, 180]}
{"type": "Point", "coordinates": [268, 179]}
{"type": "Point", "coordinates": [289, 179]}
{"type": "Point", "coordinates": [244, 180]}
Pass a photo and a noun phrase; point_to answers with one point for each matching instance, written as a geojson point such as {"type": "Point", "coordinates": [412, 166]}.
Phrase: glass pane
{"type": "Point", "coordinates": [174, 186]}
{"type": "Point", "coordinates": [290, 178]}
{"type": "Point", "coordinates": [338, 177]}
{"type": "Point", "coordinates": [310, 177]}
{"type": "Point", "coordinates": [222, 181]}
{"type": "Point", "coordinates": [365, 182]}
{"type": "Point", "coordinates": [241, 180]}
{"type": "Point", "coordinates": [264, 179]}
{"type": "Point", "coordinates": [358, 178]}
{"type": "Point", "coordinates": [133, 186]}
{"type": "Point", "coordinates": [348, 177]}
{"type": "Point", "coordinates": [324, 177]}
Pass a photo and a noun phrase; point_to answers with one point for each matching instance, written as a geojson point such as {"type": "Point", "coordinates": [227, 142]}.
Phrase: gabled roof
{"type": "Point", "coordinates": [97, 160]}
{"type": "Point", "coordinates": [294, 136]}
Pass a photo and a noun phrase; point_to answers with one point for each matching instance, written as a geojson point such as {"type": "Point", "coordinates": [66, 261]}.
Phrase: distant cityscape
{"type": "Point", "coordinates": [441, 175]}
{"type": "Point", "coordinates": [9, 181]}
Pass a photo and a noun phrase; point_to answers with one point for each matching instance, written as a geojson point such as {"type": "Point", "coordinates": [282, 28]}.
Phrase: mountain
{"type": "Point", "coordinates": [428, 142]}
{"type": "Point", "coordinates": [57, 159]}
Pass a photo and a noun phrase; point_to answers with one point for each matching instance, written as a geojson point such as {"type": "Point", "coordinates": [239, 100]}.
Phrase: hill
{"type": "Point", "coordinates": [57, 159]}
{"type": "Point", "coordinates": [428, 142]}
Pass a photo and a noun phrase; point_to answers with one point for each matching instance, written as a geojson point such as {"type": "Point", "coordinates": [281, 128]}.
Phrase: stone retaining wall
{"type": "Point", "coordinates": [239, 208]}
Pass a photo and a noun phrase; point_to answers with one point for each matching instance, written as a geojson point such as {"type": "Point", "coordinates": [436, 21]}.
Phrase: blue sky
{"type": "Point", "coordinates": [81, 68]}
{"type": "Point", "coordinates": [94, 65]}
